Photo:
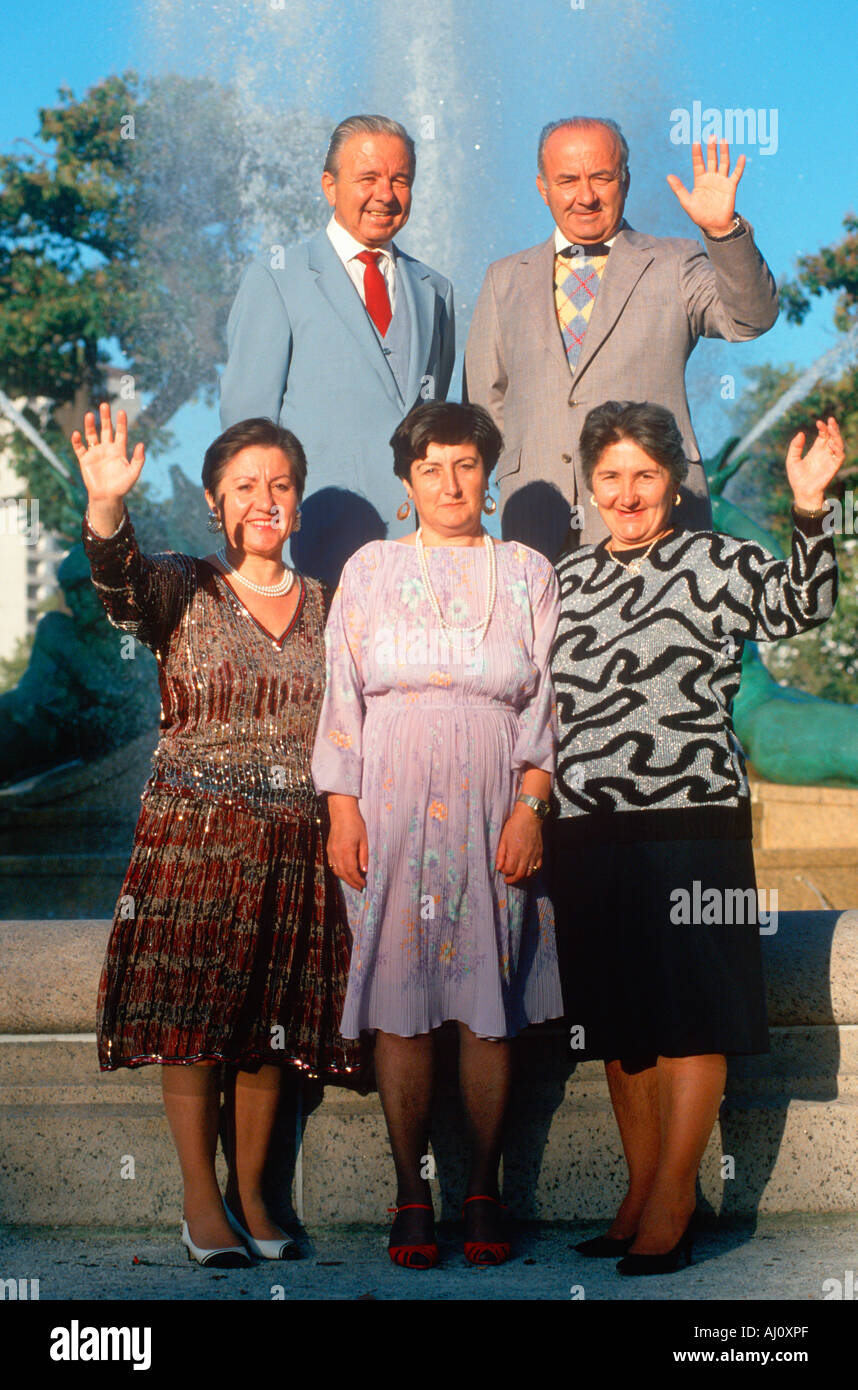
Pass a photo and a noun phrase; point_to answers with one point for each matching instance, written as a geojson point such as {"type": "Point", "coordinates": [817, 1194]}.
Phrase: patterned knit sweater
{"type": "Point", "coordinates": [646, 667]}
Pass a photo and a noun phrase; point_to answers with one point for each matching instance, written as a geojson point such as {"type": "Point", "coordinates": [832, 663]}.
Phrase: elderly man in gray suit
{"type": "Point", "coordinates": [338, 337]}
{"type": "Point", "coordinates": [601, 312]}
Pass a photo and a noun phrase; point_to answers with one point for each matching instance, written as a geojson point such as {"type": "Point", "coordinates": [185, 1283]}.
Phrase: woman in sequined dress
{"type": "Point", "coordinates": [229, 943]}
{"type": "Point", "coordinates": [436, 748]}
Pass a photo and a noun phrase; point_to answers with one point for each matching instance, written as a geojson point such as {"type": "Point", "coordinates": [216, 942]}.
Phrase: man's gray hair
{"type": "Point", "coordinates": [365, 125]}
{"type": "Point", "coordinates": [583, 123]}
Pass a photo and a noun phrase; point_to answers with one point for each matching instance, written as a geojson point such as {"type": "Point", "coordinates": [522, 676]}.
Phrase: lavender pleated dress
{"type": "Point", "coordinates": [431, 733]}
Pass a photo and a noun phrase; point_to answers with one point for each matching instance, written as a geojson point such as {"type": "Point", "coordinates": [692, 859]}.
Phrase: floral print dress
{"type": "Point", "coordinates": [432, 732]}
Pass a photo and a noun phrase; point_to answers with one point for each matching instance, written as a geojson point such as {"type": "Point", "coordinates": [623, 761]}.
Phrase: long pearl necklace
{"type": "Point", "coordinates": [267, 590]}
{"type": "Point", "coordinates": [480, 628]}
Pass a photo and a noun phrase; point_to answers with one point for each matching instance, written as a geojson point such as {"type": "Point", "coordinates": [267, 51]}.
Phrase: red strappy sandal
{"type": "Point", "coordinates": [413, 1256]}
{"type": "Point", "coordinates": [484, 1252]}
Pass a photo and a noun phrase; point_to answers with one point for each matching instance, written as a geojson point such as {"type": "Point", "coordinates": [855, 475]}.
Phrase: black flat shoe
{"type": "Point", "coordinates": [603, 1247]}
{"type": "Point", "coordinates": [668, 1263]}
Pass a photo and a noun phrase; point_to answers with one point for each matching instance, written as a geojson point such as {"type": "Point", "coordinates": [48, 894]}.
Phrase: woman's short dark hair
{"type": "Point", "coordinates": [652, 427]}
{"type": "Point", "coordinates": [444, 422]}
{"type": "Point", "coordinates": [245, 435]}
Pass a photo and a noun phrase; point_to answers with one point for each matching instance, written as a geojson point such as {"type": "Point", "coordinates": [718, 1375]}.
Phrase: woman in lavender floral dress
{"type": "Point", "coordinates": [438, 718]}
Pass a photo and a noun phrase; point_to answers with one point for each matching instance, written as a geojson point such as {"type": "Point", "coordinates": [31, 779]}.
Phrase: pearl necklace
{"type": "Point", "coordinates": [634, 566]}
{"type": "Point", "coordinates": [267, 590]}
{"type": "Point", "coordinates": [479, 628]}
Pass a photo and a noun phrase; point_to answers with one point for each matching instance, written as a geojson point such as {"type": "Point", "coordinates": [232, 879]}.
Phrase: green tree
{"type": "Point", "coordinates": [823, 662]}
{"type": "Point", "coordinates": [833, 270]}
{"type": "Point", "coordinates": [122, 239]}
{"type": "Point", "coordinates": [13, 667]}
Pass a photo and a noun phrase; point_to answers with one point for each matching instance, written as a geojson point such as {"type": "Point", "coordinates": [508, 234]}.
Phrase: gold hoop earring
{"type": "Point", "coordinates": [593, 502]}
{"type": "Point", "coordinates": [677, 499]}
{"type": "Point", "coordinates": [403, 511]}
{"type": "Point", "coordinates": [489, 505]}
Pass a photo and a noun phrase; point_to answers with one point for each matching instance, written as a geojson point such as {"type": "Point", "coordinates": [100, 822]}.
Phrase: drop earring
{"type": "Point", "coordinates": [403, 511]}
{"type": "Point", "coordinates": [296, 525]}
{"type": "Point", "coordinates": [214, 522]}
{"type": "Point", "coordinates": [489, 505]}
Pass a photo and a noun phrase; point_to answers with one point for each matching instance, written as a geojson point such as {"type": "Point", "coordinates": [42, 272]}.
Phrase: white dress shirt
{"type": "Point", "coordinates": [561, 240]}
{"type": "Point", "coordinates": [348, 248]}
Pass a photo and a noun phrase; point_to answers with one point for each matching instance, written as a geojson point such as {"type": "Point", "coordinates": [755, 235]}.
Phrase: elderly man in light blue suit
{"type": "Point", "coordinates": [338, 338]}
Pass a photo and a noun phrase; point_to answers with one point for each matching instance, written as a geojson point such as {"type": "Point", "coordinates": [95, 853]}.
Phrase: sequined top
{"type": "Point", "coordinates": [239, 707]}
{"type": "Point", "coordinates": [646, 665]}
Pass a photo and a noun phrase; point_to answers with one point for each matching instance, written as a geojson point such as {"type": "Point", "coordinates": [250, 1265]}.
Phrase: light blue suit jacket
{"type": "Point", "coordinates": [303, 352]}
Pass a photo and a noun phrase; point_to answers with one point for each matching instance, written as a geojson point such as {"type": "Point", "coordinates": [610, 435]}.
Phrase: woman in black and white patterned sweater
{"type": "Point", "coordinates": [657, 911]}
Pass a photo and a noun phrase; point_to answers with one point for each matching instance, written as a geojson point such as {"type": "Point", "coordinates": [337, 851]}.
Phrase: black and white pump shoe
{"type": "Point", "coordinates": [284, 1248]}
{"type": "Point", "coordinates": [226, 1257]}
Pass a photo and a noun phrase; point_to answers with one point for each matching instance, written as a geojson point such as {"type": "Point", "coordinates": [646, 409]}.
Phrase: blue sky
{"type": "Point", "coordinates": [492, 75]}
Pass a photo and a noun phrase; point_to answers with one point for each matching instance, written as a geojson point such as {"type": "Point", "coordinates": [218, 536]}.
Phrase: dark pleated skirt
{"type": "Point", "coordinates": [637, 979]}
{"type": "Point", "coordinates": [230, 943]}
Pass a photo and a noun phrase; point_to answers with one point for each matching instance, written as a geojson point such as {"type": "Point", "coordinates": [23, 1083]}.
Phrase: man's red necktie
{"type": "Point", "coordinates": [375, 291]}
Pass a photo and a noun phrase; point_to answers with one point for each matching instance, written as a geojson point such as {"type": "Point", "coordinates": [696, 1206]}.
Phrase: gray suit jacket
{"type": "Point", "coordinates": [302, 351]}
{"type": "Point", "coordinates": [657, 297]}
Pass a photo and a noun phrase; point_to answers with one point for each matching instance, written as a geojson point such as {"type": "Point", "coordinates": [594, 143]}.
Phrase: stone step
{"type": "Point", "coordinates": [52, 886]}
{"type": "Point", "coordinates": [70, 1136]}
{"type": "Point", "coordinates": [804, 818]}
{"type": "Point", "coordinates": [808, 879]}
{"type": "Point", "coordinates": [85, 865]}
{"type": "Point", "coordinates": [810, 961]}
{"type": "Point", "coordinates": [80, 1147]}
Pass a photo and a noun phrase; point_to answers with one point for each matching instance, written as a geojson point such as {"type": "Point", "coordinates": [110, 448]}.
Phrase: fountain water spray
{"type": "Point", "coordinates": [13, 414]}
{"type": "Point", "coordinates": [824, 366]}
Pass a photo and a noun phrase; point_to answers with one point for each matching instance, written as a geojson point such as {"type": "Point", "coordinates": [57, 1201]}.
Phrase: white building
{"type": "Point", "coordinates": [29, 556]}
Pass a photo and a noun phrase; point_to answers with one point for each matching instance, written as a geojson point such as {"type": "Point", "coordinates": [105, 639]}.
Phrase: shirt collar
{"type": "Point", "coordinates": [561, 240]}
{"type": "Point", "coordinates": [347, 246]}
